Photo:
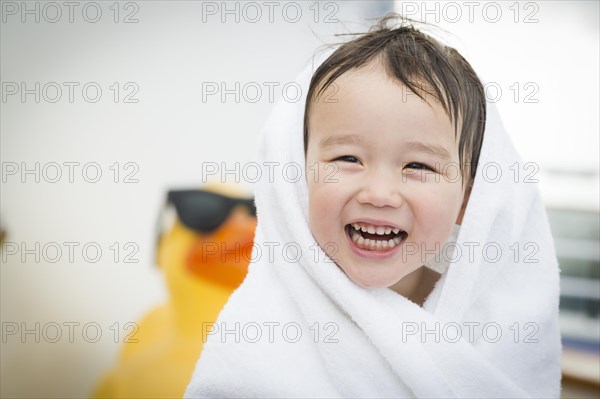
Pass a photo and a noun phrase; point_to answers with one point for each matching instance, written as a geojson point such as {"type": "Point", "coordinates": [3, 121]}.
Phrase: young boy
{"type": "Point", "coordinates": [396, 154]}
{"type": "Point", "coordinates": [337, 301]}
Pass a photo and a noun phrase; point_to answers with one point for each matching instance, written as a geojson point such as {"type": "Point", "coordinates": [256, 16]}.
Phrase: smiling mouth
{"type": "Point", "coordinates": [374, 241]}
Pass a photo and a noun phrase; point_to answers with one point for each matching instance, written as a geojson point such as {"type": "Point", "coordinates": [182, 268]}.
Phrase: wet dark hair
{"type": "Point", "coordinates": [426, 67]}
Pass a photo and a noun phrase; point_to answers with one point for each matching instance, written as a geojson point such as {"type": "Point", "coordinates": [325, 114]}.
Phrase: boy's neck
{"type": "Point", "coordinates": [418, 285]}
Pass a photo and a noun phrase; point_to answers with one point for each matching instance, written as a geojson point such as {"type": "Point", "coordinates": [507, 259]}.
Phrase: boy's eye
{"type": "Point", "coordinates": [348, 158]}
{"type": "Point", "coordinates": [419, 166]}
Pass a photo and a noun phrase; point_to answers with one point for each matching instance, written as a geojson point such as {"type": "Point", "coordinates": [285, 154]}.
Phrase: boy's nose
{"type": "Point", "coordinates": [381, 191]}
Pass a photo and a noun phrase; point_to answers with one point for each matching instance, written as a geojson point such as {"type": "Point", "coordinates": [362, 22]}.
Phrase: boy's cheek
{"type": "Point", "coordinates": [435, 207]}
{"type": "Point", "coordinates": [321, 173]}
{"type": "Point", "coordinates": [322, 205]}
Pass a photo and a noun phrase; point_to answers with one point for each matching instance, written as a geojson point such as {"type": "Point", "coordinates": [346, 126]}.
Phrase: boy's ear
{"type": "Point", "coordinates": [461, 214]}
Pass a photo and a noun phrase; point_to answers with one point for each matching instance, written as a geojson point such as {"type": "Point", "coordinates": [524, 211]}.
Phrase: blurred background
{"type": "Point", "coordinates": [106, 105]}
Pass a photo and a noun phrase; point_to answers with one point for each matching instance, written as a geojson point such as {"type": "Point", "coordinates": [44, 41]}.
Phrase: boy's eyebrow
{"type": "Point", "coordinates": [338, 139]}
{"type": "Point", "coordinates": [433, 149]}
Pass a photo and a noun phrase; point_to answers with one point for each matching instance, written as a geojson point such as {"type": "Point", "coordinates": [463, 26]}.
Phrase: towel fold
{"type": "Point", "coordinates": [298, 327]}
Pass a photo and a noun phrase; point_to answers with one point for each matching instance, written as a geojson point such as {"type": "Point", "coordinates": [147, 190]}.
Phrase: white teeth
{"type": "Point", "coordinates": [381, 230]}
{"type": "Point", "coordinates": [374, 244]}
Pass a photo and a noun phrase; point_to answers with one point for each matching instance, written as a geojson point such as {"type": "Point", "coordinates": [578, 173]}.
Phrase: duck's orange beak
{"type": "Point", "coordinates": [223, 256]}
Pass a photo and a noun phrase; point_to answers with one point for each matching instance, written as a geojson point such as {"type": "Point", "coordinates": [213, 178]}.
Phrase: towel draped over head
{"type": "Point", "coordinates": [299, 327]}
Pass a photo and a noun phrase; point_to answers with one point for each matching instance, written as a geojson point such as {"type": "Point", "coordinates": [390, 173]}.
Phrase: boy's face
{"type": "Point", "coordinates": [370, 148]}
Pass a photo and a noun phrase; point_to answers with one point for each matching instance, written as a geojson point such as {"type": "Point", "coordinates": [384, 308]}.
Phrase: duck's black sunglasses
{"type": "Point", "coordinates": [205, 211]}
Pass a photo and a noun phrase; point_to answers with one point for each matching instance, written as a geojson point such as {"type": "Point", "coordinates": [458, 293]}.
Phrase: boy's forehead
{"type": "Point", "coordinates": [375, 100]}
{"type": "Point", "coordinates": [375, 80]}
{"type": "Point", "coordinates": [375, 107]}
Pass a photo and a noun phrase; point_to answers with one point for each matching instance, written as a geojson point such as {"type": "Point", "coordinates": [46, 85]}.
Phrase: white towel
{"type": "Point", "coordinates": [301, 328]}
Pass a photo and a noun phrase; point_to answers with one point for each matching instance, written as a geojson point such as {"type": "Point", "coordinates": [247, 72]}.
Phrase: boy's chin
{"type": "Point", "coordinates": [376, 282]}
{"type": "Point", "coordinates": [398, 282]}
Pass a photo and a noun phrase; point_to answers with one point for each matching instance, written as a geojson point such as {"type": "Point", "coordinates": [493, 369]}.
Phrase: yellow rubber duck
{"type": "Point", "coordinates": [201, 270]}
